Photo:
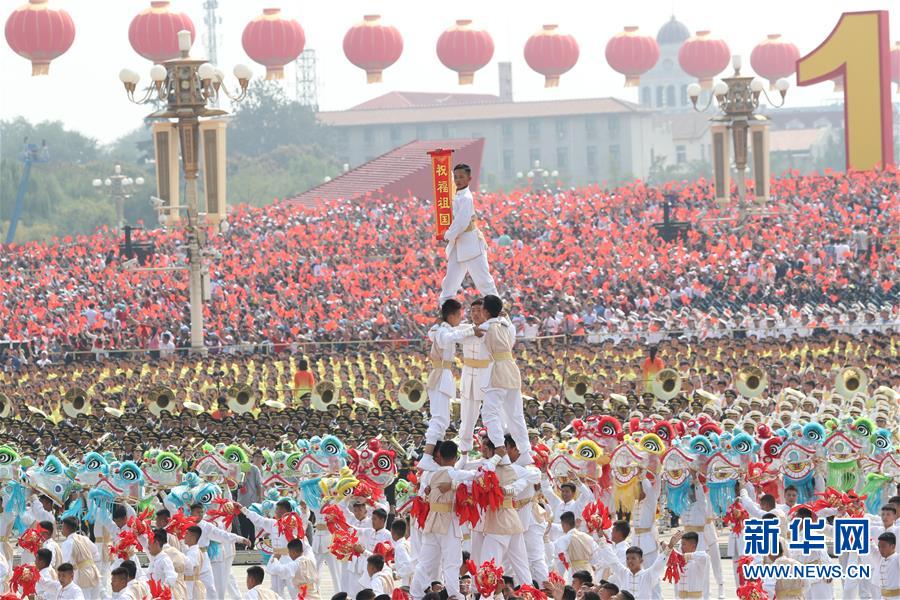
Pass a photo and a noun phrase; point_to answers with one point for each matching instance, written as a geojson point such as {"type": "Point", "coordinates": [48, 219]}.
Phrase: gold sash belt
{"type": "Point", "coordinates": [476, 363]}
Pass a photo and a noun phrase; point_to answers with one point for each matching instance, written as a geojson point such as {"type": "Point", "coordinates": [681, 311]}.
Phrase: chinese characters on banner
{"type": "Point", "coordinates": [443, 189]}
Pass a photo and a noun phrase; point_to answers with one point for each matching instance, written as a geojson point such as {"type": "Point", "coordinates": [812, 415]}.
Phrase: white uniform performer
{"type": "Point", "coordinates": [504, 542]}
{"type": "Point", "coordinates": [642, 584]}
{"type": "Point", "coordinates": [441, 548]}
{"type": "Point", "coordinates": [321, 540]}
{"type": "Point", "coordinates": [503, 396]}
{"type": "Point", "coordinates": [441, 385]}
{"type": "Point", "coordinates": [466, 250]}
{"type": "Point", "coordinates": [474, 379]}
{"type": "Point", "coordinates": [692, 583]}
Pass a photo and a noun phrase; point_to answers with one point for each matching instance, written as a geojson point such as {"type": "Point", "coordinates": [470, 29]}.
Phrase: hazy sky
{"type": "Point", "coordinates": [83, 88]}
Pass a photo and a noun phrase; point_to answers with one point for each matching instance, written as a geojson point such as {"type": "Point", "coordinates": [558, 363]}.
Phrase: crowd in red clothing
{"type": "Point", "coordinates": [371, 269]}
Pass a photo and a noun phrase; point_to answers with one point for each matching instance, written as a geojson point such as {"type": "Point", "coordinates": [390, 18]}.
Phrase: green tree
{"type": "Point", "coordinates": [267, 120]}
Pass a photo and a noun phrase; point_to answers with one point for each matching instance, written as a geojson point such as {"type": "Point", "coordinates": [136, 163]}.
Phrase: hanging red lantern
{"type": "Point", "coordinates": [153, 33]}
{"type": "Point", "coordinates": [273, 41]}
{"type": "Point", "coordinates": [773, 58]}
{"type": "Point", "coordinates": [39, 33]}
{"type": "Point", "coordinates": [372, 46]}
{"type": "Point", "coordinates": [704, 57]}
{"type": "Point", "coordinates": [551, 54]}
{"type": "Point", "coordinates": [464, 49]}
{"type": "Point", "coordinates": [632, 54]}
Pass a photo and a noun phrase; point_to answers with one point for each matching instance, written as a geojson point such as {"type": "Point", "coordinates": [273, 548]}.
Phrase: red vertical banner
{"type": "Point", "coordinates": [442, 171]}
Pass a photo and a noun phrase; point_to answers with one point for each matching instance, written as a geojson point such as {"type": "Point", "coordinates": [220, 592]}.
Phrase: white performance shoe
{"type": "Point", "coordinates": [721, 591]}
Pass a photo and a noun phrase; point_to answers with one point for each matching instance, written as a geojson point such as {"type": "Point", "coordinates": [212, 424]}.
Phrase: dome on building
{"type": "Point", "coordinates": [673, 32]}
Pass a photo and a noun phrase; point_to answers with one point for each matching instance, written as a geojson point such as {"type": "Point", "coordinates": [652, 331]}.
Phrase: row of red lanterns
{"type": "Point", "coordinates": [41, 34]}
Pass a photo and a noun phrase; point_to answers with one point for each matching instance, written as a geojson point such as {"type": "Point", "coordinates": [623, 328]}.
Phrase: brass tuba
{"type": "Point", "coordinates": [851, 381]}
{"type": "Point", "coordinates": [751, 382]}
{"type": "Point", "coordinates": [241, 399]}
{"type": "Point", "coordinates": [5, 406]}
{"type": "Point", "coordinates": [75, 403]}
{"type": "Point", "coordinates": [666, 384]}
{"type": "Point", "coordinates": [412, 395]}
{"type": "Point", "coordinates": [161, 398]}
{"type": "Point", "coordinates": [324, 396]}
{"type": "Point", "coordinates": [577, 386]}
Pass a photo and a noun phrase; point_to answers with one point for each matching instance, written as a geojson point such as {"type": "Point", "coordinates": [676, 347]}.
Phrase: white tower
{"type": "Point", "coordinates": [664, 87]}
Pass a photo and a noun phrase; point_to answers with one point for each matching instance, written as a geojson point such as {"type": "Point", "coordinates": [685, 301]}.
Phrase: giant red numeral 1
{"type": "Point", "coordinates": [859, 50]}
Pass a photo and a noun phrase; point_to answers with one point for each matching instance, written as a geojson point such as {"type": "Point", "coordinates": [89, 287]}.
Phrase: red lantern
{"type": "Point", "coordinates": [465, 49]}
{"type": "Point", "coordinates": [273, 41]}
{"type": "Point", "coordinates": [632, 54]}
{"type": "Point", "coordinates": [40, 34]}
{"type": "Point", "coordinates": [774, 59]}
{"type": "Point", "coordinates": [895, 65]}
{"type": "Point", "coordinates": [551, 54]}
{"type": "Point", "coordinates": [153, 33]}
{"type": "Point", "coordinates": [704, 57]}
{"type": "Point", "coordinates": [372, 46]}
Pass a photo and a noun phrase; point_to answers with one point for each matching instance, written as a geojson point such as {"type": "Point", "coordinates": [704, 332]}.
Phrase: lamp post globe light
{"type": "Point", "coordinates": [119, 188]}
{"type": "Point", "coordinates": [189, 88]}
{"type": "Point", "coordinates": [737, 98]}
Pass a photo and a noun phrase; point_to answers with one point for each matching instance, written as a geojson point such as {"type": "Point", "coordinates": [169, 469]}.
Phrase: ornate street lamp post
{"type": "Point", "coordinates": [120, 188]}
{"type": "Point", "coordinates": [737, 98]}
{"type": "Point", "coordinates": [188, 86]}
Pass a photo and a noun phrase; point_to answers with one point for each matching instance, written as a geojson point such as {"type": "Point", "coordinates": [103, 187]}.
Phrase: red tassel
{"type": "Point", "coordinates": [596, 517]}
{"type": "Point", "coordinates": [562, 559]}
{"type": "Point", "coordinates": [24, 580]}
{"type": "Point", "coordinates": [735, 516]}
{"type": "Point", "coordinates": [527, 592]}
{"type": "Point", "coordinates": [487, 492]}
{"type": "Point", "coordinates": [465, 507]}
{"type": "Point", "coordinates": [290, 526]}
{"type": "Point", "coordinates": [741, 562]}
{"type": "Point", "coordinates": [301, 593]}
{"type": "Point", "coordinates": [227, 509]}
{"type": "Point", "coordinates": [488, 579]}
{"type": "Point", "coordinates": [399, 594]}
{"type": "Point", "coordinates": [385, 549]}
{"type": "Point", "coordinates": [555, 577]}
{"type": "Point", "coordinates": [752, 590]}
{"type": "Point", "coordinates": [31, 539]}
{"type": "Point", "coordinates": [674, 567]}
{"type": "Point", "coordinates": [419, 510]}
{"type": "Point", "coordinates": [159, 591]}
{"type": "Point", "coordinates": [179, 524]}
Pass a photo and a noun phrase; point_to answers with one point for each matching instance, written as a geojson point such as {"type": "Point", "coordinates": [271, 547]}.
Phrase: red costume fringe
{"type": "Point", "coordinates": [227, 509]}
{"type": "Point", "coordinates": [487, 492]}
{"type": "Point", "coordinates": [674, 567]}
{"type": "Point", "coordinates": [31, 539]}
{"type": "Point", "coordinates": [419, 511]}
{"type": "Point", "coordinates": [465, 506]}
{"type": "Point", "coordinates": [735, 516]}
{"type": "Point", "coordinates": [24, 580]}
{"type": "Point", "coordinates": [179, 523]}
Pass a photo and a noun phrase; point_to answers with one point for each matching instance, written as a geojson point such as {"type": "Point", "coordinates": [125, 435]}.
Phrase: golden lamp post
{"type": "Point", "coordinates": [188, 86]}
{"type": "Point", "coordinates": [737, 98]}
